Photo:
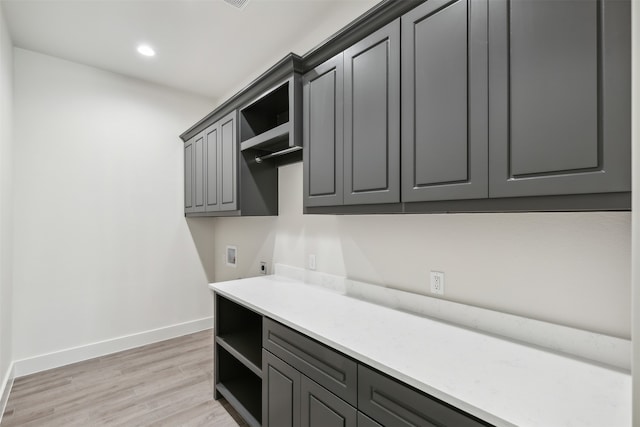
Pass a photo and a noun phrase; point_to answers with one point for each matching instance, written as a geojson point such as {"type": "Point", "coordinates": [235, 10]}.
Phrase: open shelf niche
{"type": "Point", "coordinates": [271, 124]}
{"type": "Point", "coordinates": [238, 358]}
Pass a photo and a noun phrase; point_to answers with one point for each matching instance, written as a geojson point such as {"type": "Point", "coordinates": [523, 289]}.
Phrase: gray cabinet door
{"type": "Point", "coordinates": [444, 101]}
{"type": "Point", "coordinates": [228, 163]}
{"type": "Point", "coordinates": [559, 73]}
{"type": "Point", "coordinates": [199, 174]}
{"type": "Point", "coordinates": [321, 408]}
{"type": "Point", "coordinates": [188, 176]}
{"type": "Point", "coordinates": [323, 134]}
{"type": "Point", "coordinates": [280, 393]}
{"type": "Point", "coordinates": [212, 153]}
{"type": "Point", "coordinates": [372, 118]}
{"type": "Point", "coordinates": [392, 403]}
{"type": "Point", "coordinates": [364, 421]}
{"type": "Point", "coordinates": [326, 366]}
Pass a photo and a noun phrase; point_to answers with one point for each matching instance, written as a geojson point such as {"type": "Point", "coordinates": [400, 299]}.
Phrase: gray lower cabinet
{"type": "Point", "coordinates": [329, 368]}
{"type": "Point", "coordinates": [238, 363]}
{"type": "Point", "coordinates": [321, 408]}
{"type": "Point", "coordinates": [280, 393]}
{"type": "Point", "coordinates": [275, 376]}
{"type": "Point", "coordinates": [559, 108]}
{"type": "Point", "coordinates": [291, 399]}
{"type": "Point", "coordinates": [364, 421]}
{"type": "Point", "coordinates": [444, 101]}
{"type": "Point", "coordinates": [392, 403]}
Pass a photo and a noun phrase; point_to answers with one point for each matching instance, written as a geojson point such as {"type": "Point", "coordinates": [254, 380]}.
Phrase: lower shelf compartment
{"type": "Point", "coordinates": [240, 386]}
{"type": "Point", "coordinates": [240, 394]}
{"type": "Point", "coordinates": [247, 347]}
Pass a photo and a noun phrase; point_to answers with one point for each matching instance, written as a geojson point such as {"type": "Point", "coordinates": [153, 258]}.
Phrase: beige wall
{"type": "Point", "coordinates": [6, 197]}
{"type": "Point", "coordinates": [567, 268]}
{"type": "Point", "coordinates": [101, 246]}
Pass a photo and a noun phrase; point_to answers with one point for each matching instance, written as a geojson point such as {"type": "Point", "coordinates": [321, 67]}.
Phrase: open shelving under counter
{"type": "Point", "coordinates": [238, 359]}
{"type": "Point", "coordinates": [239, 386]}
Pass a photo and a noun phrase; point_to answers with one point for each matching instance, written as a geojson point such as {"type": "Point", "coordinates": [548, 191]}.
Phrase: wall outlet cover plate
{"type": "Point", "coordinates": [437, 282]}
{"type": "Point", "coordinates": [232, 256]}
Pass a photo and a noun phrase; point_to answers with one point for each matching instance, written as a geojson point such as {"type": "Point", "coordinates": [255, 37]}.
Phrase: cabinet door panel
{"type": "Point", "coordinates": [188, 176]}
{"type": "Point", "coordinates": [323, 134]}
{"type": "Point", "coordinates": [560, 105]}
{"type": "Point", "coordinates": [392, 403]}
{"type": "Point", "coordinates": [211, 168]}
{"type": "Point", "coordinates": [228, 178]}
{"type": "Point", "coordinates": [324, 365]}
{"type": "Point", "coordinates": [280, 393]}
{"type": "Point", "coordinates": [444, 101]}
{"type": "Point", "coordinates": [550, 87]}
{"type": "Point", "coordinates": [364, 421]}
{"type": "Point", "coordinates": [321, 408]}
{"type": "Point", "coordinates": [198, 174]}
{"type": "Point", "coordinates": [372, 118]}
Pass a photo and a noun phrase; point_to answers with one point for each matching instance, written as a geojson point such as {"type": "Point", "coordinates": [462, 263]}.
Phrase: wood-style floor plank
{"type": "Point", "coordinates": [169, 383]}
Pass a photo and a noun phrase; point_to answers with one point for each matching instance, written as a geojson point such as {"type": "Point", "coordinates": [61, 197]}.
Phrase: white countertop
{"type": "Point", "coordinates": [499, 381]}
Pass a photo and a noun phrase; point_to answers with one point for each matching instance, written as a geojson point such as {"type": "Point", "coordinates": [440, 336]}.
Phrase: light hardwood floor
{"type": "Point", "coordinates": [169, 383]}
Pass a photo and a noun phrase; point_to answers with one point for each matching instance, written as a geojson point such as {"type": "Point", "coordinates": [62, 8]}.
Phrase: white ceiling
{"type": "Point", "coordinates": [203, 46]}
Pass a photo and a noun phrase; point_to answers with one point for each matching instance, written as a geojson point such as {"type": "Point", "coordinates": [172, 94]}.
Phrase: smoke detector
{"type": "Point", "coordinates": [237, 3]}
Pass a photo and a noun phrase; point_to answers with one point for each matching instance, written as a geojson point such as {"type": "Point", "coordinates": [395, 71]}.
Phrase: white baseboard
{"type": "Point", "coordinates": [56, 359]}
{"type": "Point", "coordinates": [5, 388]}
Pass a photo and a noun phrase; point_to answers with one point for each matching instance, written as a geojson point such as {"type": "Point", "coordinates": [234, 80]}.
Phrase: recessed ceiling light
{"type": "Point", "coordinates": [146, 50]}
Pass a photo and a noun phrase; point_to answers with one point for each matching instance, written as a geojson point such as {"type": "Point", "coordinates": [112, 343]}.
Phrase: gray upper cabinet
{"type": "Point", "coordinates": [559, 108]}
{"type": "Point", "coordinates": [229, 163]}
{"type": "Point", "coordinates": [221, 165]}
{"type": "Point", "coordinates": [323, 134]}
{"type": "Point", "coordinates": [198, 174]}
{"type": "Point", "coordinates": [372, 118]}
{"type": "Point", "coordinates": [220, 181]}
{"type": "Point", "coordinates": [433, 106]}
{"type": "Point", "coordinates": [244, 140]}
{"type": "Point", "coordinates": [444, 101]}
{"type": "Point", "coordinates": [212, 144]}
{"type": "Point", "coordinates": [188, 175]}
{"type": "Point", "coordinates": [194, 170]}
{"type": "Point", "coordinates": [351, 124]}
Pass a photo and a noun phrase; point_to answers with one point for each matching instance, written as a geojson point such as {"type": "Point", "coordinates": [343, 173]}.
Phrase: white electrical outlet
{"type": "Point", "coordinates": [437, 282]}
{"type": "Point", "coordinates": [312, 262]}
{"type": "Point", "coordinates": [263, 267]}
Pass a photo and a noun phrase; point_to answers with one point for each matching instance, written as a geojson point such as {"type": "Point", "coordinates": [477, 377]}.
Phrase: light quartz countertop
{"type": "Point", "coordinates": [499, 381]}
